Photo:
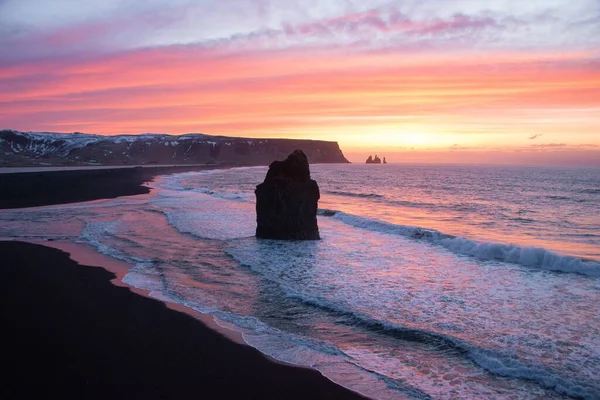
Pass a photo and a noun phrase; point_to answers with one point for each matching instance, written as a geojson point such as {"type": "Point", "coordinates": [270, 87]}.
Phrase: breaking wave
{"type": "Point", "coordinates": [506, 365]}
{"type": "Point", "coordinates": [527, 256]}
{"type": "Point", "coordinates": [493, 362]}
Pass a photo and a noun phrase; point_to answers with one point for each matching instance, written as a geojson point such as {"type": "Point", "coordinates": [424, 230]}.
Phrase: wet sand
{"type": "Point", "coordinates": [74, 329]}
{"type": "Point", "coordinates": [70, 332]}
{"type": "Point", "coordinates": [71, 185]}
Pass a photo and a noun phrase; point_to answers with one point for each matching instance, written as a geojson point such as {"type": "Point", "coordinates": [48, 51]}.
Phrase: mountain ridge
{"type": "Point", "coordinates": [77, 149]}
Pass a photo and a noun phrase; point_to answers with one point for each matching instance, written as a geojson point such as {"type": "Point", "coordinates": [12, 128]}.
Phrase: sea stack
{"type": "Point", "coordinates": [286, 202]}
{"type": "Point", "coordinates": [375, 160]}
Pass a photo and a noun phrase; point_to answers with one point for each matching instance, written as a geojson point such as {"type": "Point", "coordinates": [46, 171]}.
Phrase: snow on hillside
{"type": "Point", "coordinates": [61, 144]}
{"type": "Point", "coordinates": [50, 148]}
{"type": "Point", "coordinates": [45, 142]}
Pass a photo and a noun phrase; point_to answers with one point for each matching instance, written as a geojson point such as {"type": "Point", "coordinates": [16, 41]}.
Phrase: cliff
{"type": "Point", "coordinates": [43, 149]}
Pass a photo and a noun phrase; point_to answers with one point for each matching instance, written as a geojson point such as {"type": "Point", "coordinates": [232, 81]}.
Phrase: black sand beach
{"type": "Point", "coordinates": [69, 332]}
{"type": "Point", "coordinates": [31, 189]}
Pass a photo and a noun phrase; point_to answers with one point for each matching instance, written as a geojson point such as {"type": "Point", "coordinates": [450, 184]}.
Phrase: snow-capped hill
{"type": "Point", "coordinates": [48, 148]}
{"type": "Point", "coordinates": [45, 143]}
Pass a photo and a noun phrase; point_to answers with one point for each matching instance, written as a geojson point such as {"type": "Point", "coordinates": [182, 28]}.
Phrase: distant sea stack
{"type": "Point", "coordinates": [375, 160]}
{"type": "Point", "coordinates": [286, 202]}
{"type": "Point", "coordinates": [20, 149]}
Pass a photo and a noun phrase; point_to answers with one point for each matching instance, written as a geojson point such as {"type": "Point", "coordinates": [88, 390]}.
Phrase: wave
{"type": "Point", "coordinates": [353, 194]}
{"type": "Point", "coordinates": [494, 361]}
{"type": "Point", "coordinates": [278, 343]}
{"type": "Point", "coordinates": [465, 207]}
{"type": "Point", "coordinates": [420, 204]}
{"type": "Point", "coordinates": [173, 182]}
{"type": "Point", "coordinates": [248, 197]}
{"type": "Point", "coordinates": [238, 196]}
{"type": "Point", "coordinates": [318, 354]}
{"type": "Point", "coordinates": [526, 256]}
{"type": "Point", "coordinates": [402, 203]}
{"type": "Point", "coordinates": [491, 361]}
{"type": "Point", "coordinates": [93, 233]}
{"type": "Point", "coordinates": [524, 220]}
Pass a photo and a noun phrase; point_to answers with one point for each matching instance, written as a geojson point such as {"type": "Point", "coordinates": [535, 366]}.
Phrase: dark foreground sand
{"type": "Point", "coordinates": [30, 189]}
{"type": "Point", "coordinates": [70, 333]}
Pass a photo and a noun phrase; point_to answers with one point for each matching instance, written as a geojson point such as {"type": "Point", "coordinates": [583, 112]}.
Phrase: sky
{"type": "Point", "coordinates": [464, 81]}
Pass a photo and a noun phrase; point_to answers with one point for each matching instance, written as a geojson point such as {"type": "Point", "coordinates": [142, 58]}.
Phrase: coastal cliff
{"type": "Point", "coordinates": [50, 149]}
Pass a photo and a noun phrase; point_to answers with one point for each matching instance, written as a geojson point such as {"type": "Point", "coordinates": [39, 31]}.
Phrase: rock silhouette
{"type": "Point", "coordinates": [19, 149]}
{"type": "Point", "coordinates": [286, 202]}
{"type": "Point", "coordinates": [372, 160]}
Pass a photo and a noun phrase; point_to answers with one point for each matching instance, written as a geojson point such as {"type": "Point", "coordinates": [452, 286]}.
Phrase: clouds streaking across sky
{"type": "Point", "coordinates": [437, 80]}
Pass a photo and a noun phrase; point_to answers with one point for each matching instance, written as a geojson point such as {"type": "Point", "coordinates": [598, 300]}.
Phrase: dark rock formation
{"type": "Point", "coordinates": [372, 160]}
{"type": "Point", "coordinates": [43, 149]}
{"type": "Point", "coordinates": [385, 162]}
{"type": "Point", "coordinates": [286, 202]}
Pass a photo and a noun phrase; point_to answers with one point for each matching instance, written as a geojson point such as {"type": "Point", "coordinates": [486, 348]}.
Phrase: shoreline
{"type": "Point", "coordinates": [39, 189]}
{"type": "Point", "coordinates": [87, 255]}
{"type": "Point", "coordinates": [84, 309]}
{"type": "Point", "coordinates": [43, 188]}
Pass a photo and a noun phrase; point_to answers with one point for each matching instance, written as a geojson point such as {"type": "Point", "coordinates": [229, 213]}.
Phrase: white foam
{"type": "Point", "coordinates": [208, 217]}
{"type": "Point", "coordinates": [397, 282]}
{"type": "Point", "coordinates": [94, 233]}
{"type": "Point", "coordinates": [299, 279]}
{"type": "Point", "coordinates": [328, 269]}
{"type": "Point", "coordinates": [526, 256]}
{"type": "Point", "coordinates": [173, 182]}
{"type": "Point", "coordinates": [511, 367]}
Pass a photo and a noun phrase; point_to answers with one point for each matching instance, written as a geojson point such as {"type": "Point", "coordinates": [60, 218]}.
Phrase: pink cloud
{"type": "Point", "coordinates": [374, 72]}
{"type": "Point", "coordinates": [359, 27]}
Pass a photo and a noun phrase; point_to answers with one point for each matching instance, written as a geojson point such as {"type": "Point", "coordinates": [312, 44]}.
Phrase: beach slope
{"type": "Point", "coordinates": [69, 332]}
{"type": "Point", "coordinates": [73, 184]}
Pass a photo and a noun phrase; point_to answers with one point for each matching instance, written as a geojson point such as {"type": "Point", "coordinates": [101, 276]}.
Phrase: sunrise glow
{"type": "Point", "coordinates": [428, 81]}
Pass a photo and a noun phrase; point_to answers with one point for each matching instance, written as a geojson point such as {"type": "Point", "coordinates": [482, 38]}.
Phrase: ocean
{"type": "Point", "coordinates": [430, 281]}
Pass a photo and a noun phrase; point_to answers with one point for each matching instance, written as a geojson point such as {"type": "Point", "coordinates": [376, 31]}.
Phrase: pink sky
{"type": "Point", "coordinates": [417, 81]}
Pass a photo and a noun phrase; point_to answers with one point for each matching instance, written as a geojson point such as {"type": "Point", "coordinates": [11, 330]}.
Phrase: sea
{"type": "Point", "coordinates": [430, 281]}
